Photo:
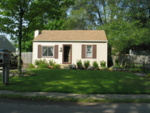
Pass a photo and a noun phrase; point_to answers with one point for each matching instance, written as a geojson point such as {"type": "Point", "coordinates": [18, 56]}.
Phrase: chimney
{"type": "Point", "coordinates": [36, 33]}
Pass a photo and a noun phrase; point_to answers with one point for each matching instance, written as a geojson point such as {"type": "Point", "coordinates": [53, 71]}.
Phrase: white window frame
{"type": "Point", "coordinates": [47, 50]}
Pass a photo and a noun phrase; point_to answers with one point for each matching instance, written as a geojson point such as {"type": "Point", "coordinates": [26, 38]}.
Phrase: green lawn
{"type": "Point", "coordinates": [79, 81]}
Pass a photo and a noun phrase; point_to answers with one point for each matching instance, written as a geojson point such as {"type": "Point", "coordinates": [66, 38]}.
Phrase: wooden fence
{"type": "Point", "coordinates": [26, 58]}
{"type": "Point", "coordinates": [143, 60]}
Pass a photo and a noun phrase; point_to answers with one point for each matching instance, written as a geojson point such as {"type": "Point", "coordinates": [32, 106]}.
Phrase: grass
{"type": "Point", "coordinates": [79, 81]}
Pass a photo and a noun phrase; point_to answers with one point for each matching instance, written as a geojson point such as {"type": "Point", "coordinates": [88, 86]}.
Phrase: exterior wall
{"type": "Point", "coordinates": [76, 51]}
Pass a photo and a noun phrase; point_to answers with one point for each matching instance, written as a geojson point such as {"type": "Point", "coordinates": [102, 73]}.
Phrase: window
{"type": "Point", "coordinates": [89, 51]}
{"type": "Point", "coordinates": [48, 51]}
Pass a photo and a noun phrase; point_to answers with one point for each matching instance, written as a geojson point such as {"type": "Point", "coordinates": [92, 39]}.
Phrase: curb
{"type": "Point", "coordinates": [78, 96]}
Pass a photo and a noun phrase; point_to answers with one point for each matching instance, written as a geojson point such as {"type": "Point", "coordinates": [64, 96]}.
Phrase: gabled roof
{"type": "Point", "coordinates": [5, 44]}
{"type": "Point", "coordinates": [71, 35]}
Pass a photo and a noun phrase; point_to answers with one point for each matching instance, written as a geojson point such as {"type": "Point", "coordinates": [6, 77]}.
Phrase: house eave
{"type": "Point", "coordinates": [74, 41]}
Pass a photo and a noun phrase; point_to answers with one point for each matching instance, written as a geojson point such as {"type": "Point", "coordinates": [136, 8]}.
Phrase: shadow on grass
{"type": "Point", "coordinates": [80, 81]}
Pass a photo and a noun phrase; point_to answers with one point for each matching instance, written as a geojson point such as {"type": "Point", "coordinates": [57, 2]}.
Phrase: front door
{"type": "Point", "coordinates": [67, 54]}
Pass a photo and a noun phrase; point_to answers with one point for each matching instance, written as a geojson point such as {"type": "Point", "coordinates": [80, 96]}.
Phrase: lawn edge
{"type": "Point", "coordinates": [52, 99]}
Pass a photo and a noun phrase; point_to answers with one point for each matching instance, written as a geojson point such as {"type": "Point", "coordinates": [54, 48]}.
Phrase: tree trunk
{"type": "Point", "coordinates": [20, 43]}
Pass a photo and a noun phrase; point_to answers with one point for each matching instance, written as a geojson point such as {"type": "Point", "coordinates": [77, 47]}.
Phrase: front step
{"type": "Point", "coordinates": [65, 66]}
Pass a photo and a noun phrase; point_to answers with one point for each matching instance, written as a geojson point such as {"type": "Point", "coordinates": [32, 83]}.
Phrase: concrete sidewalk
{"type": "Point", "coordinates": [78, 96]}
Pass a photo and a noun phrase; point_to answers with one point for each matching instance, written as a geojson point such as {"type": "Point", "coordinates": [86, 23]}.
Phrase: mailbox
{"type": "Point", "coordinates": [5, 62]}
{"type": "Point", "coordinates": [4, 57]}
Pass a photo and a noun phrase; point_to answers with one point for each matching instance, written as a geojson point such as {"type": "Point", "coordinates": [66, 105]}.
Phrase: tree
{"type": "Point", "coordinates": [126, 21]}
{"type": "Point", "coordinates": [21, 17]}
{"type": "Point", "coordinates": [123, 36]}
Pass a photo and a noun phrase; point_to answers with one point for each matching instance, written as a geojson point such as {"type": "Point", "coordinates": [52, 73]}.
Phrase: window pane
{"type": "Point", "coordinates": [44, 51]}
{"type": "Point", "coordinates": [50, 51]}
{"type": "Point", "coordinates": [88, 51]}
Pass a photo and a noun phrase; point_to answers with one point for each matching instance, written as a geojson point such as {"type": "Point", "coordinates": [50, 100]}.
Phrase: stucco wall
{"type": "Point", "coordinates": [76, 51]}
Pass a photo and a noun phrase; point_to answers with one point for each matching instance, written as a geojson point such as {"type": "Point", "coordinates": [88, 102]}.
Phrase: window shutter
{"type": "Point", "coordinates": [94, 51]}
{"type": "Point", "coordinates": [39, 51]}
{"type": "Point", "coordinates": [56, 52]}
{"type": "Point", "coordinates": [83, 51]}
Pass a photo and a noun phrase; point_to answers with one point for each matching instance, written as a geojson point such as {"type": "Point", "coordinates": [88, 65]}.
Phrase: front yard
{"type": "Point", "coordinates": [79, 81]}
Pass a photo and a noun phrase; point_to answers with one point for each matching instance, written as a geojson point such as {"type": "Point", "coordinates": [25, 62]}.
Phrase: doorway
{"type": "Point", "coordinates": [67, 54]}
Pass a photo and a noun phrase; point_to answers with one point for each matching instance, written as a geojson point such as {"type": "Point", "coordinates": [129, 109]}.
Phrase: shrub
{"type": "Point", "coordinates": [31, 66]}
{"type": "Point", "coordinates": [52, 63]}
{"type": "Point", "coordinates": [148, 75]}
{"type": "Point", "coordinates": [37, 62]}
{"type": "Point", "coordinates": [103, 64]}
{"type": "Point", "coordinates": [44, 65]}
{"type": "Point", "coordinates": [135, 70]}
{"type": "Point", "coordinates": [41, 63]}
{"type": "Point", "coordinates": [95, 65]}
{"type": "Point", "coordinates": [56, 66]}
{"type": "Point", "coordinates": [86, 64]}
{"type": "Point", "coordinates": [117, 62]}
{"type": "Point", "coordinates": [79, 64]}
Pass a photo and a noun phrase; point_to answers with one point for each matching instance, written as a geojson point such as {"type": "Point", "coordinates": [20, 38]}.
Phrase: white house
{"type": "Point", "coordinates": [68, 46]}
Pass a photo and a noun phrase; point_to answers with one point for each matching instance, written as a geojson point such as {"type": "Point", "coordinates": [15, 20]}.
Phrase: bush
{"type": "Point", "coordinates": [148, 75]}
{"type": "Point", "coordinates": [79, 64]}
{"type": "Point", "coordinates": [41, 63]}
{"type": "Point", "coordinates": [135, 70]}
{"type": "Point", "coordinates": [117, 62]}
{"type": "Point", "coordinates": [56, 66]}
{"type": "Point", "coordinates": [95, 65]}
{"type": "Point", "coordinates": [103, 64]}
{"type": "Point", "coordinates": [86, 64]}
{"type": "Point", "coordinates": [31, 66]}
{"type": "Point", "coordinates": [52, 63]}
{"type": "Point", "coordinates": [37, 62]}
{"type": "Point", "coordinates": [44, 65]}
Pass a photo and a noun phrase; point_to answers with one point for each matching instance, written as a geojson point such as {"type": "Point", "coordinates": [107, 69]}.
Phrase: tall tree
{"type": "Point", "coordinates": [20, 17]}
{"type": "Point", "coordinates": [126, 21]}
{"type": "Point", "coordinates": [124, 36]}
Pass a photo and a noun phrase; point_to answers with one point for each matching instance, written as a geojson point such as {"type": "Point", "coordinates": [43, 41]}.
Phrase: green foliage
{"type": "Point", "coordinates": [148, 75]}
{"type": "Point", "coordinates": [41, 63]}
{"type": "Point", "coordinates": [25, 16]}
{"type": "Point", "coordinates": [126, 22]}
{"type": "Point", "coordinates": [95, 65]}
{"type": "Point", "coordinates": [102, 63]}
{"type": "Point", "coordinates": [79, 64]}
{"type": "Point", "coordinates": [135, 70]}
{"type": "Point", "coordinates": [86, 64]}
{"type": "Point", "coordinates": [52, 63]}
{"type": "Point", "coordinates": [123, 35]}
{"type": "Point", "coordinates": [56, 66]}
{"type": "Point", "coordinates": [31, 66]}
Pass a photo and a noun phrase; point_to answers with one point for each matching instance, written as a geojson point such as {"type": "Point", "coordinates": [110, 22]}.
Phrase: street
{"type": "Point", "coordinates": [24, 106]}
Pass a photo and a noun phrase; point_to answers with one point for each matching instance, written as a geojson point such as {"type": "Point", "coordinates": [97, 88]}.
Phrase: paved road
{"type": "Point", "coordinates": [11, 106]}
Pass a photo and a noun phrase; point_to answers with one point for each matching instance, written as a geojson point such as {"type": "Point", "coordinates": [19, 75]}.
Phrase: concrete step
{"type": "Point", "coordinates": [65, 66]}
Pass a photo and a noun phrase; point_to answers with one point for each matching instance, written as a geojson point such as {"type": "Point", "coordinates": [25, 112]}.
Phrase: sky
{"type": "Point", "coordinates": [6, 35]}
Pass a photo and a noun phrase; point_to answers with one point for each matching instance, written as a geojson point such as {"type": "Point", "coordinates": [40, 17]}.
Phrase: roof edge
{"type": "Point", "coordinates": [88, 41]}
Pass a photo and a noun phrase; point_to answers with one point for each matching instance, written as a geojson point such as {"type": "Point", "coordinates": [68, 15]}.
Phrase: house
{"type": "Point", "coordinates": [6, 44]}
{"type": "Point", "coordinates": [68, 46]}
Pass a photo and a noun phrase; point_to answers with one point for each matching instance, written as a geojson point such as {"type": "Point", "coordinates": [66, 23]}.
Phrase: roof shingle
{"type": "Point", "coordinates": [71, 35]}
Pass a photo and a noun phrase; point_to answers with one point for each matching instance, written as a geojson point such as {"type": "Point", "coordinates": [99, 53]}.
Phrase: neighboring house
{"type": "Point", "coordinates": [68, 46]}
{"type": "Point", "coordinates": [5, 44]}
